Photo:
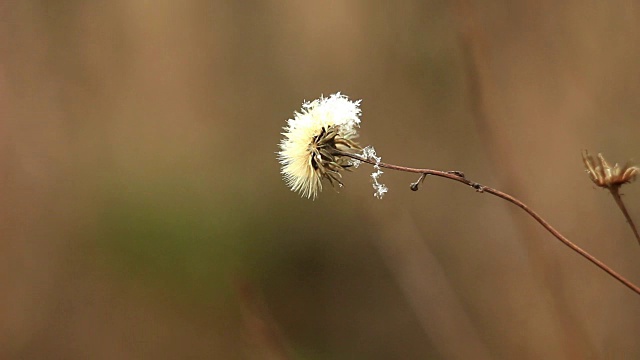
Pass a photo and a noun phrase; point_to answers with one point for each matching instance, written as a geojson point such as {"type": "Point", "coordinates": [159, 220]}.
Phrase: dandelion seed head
{"type": "Point", "coordinates": [308, 152]}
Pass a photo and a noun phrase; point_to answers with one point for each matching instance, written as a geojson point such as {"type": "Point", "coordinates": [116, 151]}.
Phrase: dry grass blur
{"type": "Point", "coordinates": [143, 215]}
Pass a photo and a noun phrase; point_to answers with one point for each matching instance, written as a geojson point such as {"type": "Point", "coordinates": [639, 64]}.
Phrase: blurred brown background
{"type": "Point", "coordinates": [144, 217]}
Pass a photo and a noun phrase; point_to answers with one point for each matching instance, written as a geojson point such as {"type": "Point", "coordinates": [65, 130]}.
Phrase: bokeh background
{"type": "Point", "coordinates": [143, 215]}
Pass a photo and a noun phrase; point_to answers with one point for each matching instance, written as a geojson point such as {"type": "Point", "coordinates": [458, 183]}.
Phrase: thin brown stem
{"type": "Point", "coordinates": [615, 192]}
{"type": "Point", "coordinates": [459, 177]}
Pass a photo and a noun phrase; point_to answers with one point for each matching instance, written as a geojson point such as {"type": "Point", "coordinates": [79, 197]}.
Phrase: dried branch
{"type": "Point", "coordinates": [459, 177]}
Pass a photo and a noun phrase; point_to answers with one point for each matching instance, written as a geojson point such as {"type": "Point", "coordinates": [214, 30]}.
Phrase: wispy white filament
{"type": "Point", "coordinates": [379, 189]}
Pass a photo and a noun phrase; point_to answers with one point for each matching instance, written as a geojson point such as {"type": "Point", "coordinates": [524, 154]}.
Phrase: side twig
{"type": "Point", "coordinates": [459, 177]}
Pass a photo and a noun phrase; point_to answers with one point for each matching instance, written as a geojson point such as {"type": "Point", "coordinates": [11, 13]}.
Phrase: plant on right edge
{"type": "Point", "coordinates": [612, 178]}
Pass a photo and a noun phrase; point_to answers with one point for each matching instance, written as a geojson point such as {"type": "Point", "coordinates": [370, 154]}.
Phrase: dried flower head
{"type": "Point", "coordinates": [604, 175]}
{"type": "Point", "coordinates": [314, 140]}
{"type": "Point", "coordinates": [611, 178]}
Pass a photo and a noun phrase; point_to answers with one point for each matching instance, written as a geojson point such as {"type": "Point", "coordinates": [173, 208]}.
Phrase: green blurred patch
{"type": "Point", "coordinates": [177, 238]}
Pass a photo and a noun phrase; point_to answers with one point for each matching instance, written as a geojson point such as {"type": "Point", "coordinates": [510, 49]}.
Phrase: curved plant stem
{"type": "Point", "coordinates": [459, 177]}
{"type": "Point", "coordinates": [615, 192]}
